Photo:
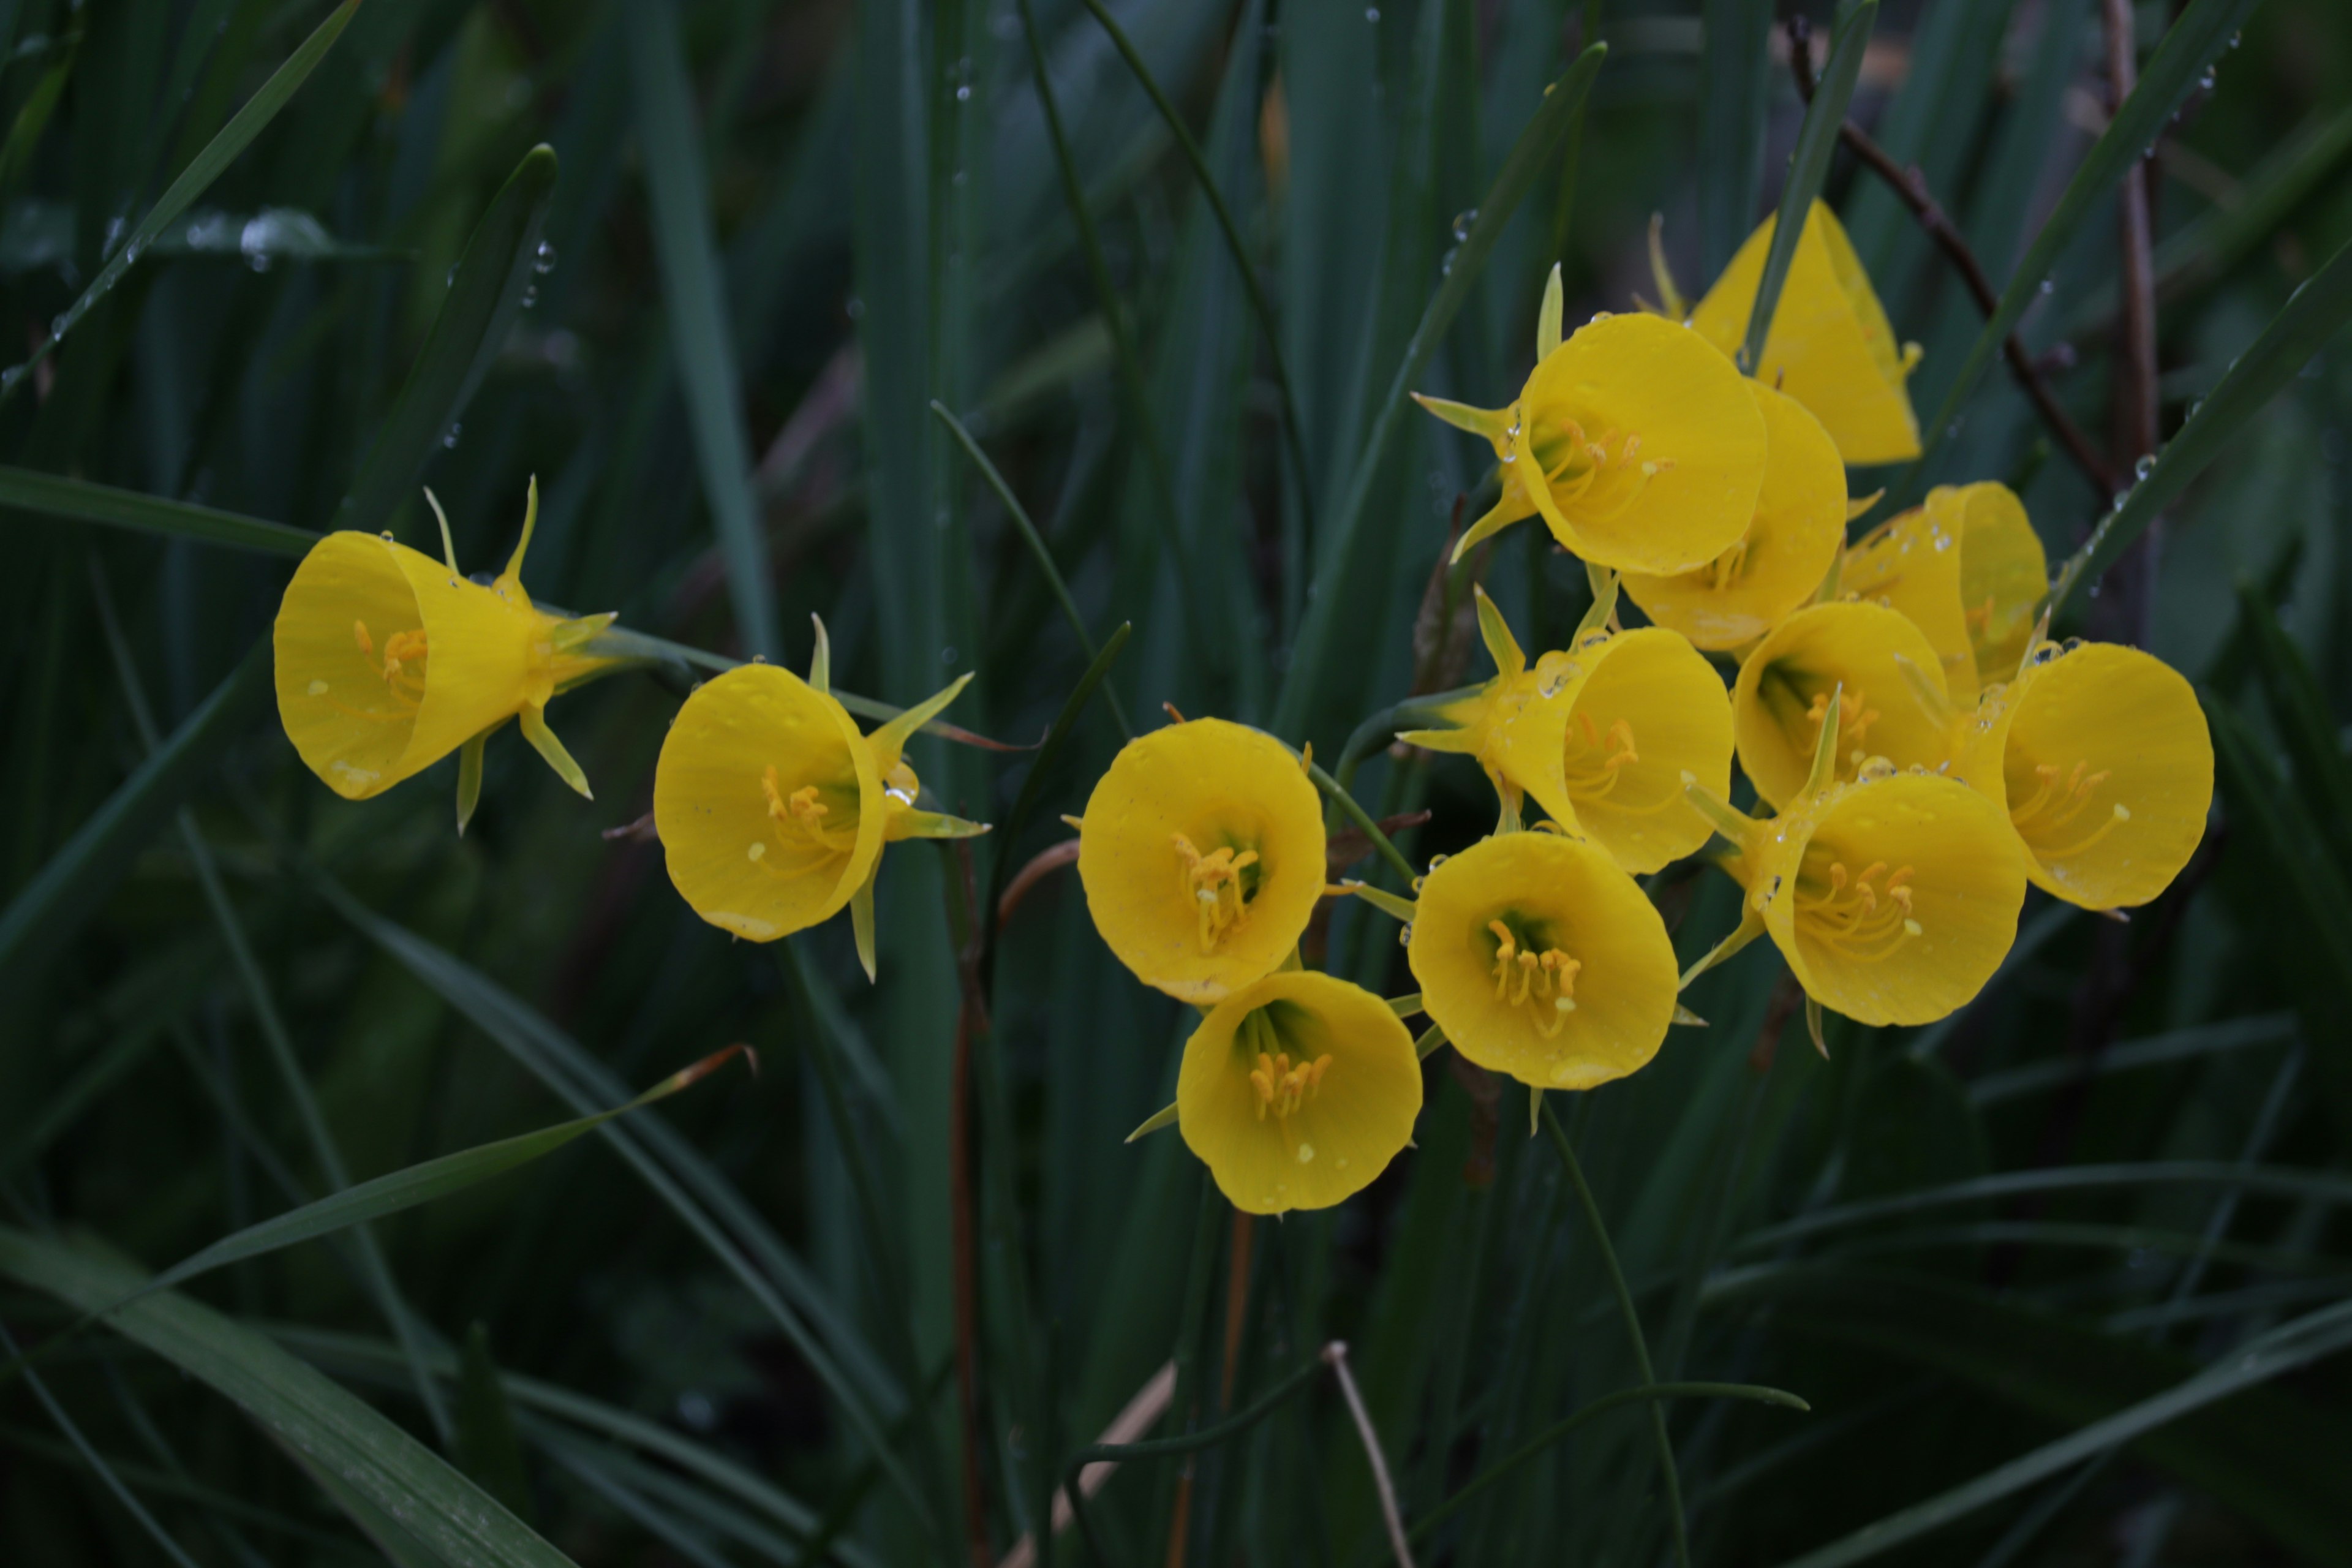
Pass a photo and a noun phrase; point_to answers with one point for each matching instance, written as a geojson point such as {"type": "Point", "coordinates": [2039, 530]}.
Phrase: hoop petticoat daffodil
{"type": "Point", "coordinates": [2100, 756]}
{"type": "Point", "coordinates": [1911, 564]}
{"type": "Point", "coordinates": [1202, 851]}
{"type": "Point", "coordinates": [1831, 347]}
{"type": "Point", "coordinates": [1893, 897]}
{"type": "Point", "coordinates": [388, 660]}
{"type": "Point", "coordinates": [1539, 958]}
{"type": "Point", "coordinates": [1297, 1091]}
{"type": "Point", "coordinates": [1633, 440]}
{"type": "Point", "coordinates": [1893, 701]}
{"type": "Point", "coordinates": [1967, 569]}
{"type": "Point", "coordinates": [773, 810]}
{"type": "Point", "coordinates": [1602, 735]}
{"type": "Point", "coordinates": [1780, 561]}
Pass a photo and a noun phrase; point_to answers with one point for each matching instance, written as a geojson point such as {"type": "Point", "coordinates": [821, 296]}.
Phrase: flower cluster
{"type": "Point", "coordinates": [1918, 750]}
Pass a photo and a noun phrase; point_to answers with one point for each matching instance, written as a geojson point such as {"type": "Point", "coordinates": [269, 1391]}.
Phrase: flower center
{"type": "Point", "coordinates": [1596, 759]}
{"type": "Point", "coordinates": [2053, 808]}
{"type": "Point", "coordinates": [1855, 717]}
{"type": "Point", "coordinates": [404, 659]}
{"type": "Point", "coordinates": [1606, 470]}
{"type": "Point", "coordinates": [1213, 883]}
{"type": "Point", "coordinates": [1862, 918]}
{"type": "Point", "coordinates": [1543, 982]}
{"type": "Point", "coordinates": [1282, 1087]}
{"type": "Point", "coordinates": [1730, 567]}
{"type": "Point", "coordinates": [797, 823]}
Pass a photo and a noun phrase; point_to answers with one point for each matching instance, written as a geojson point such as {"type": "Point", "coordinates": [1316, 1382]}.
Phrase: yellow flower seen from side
{"type": "Point", "coordinates": [1778, 564]}
{"type": "Point", "coordinates": [1879, 668]}
{"type": "Point", "coordinates": [1297, 1091]}
{"type": "Point", "coordinates": [1202, 851]}
{"type": "Point", "coordinates": [1893, 898]}
{"type": "Point", "coordinates": [1831, 346]}
{"type": "Point", "coordinates": [1542, 959]}
{"type": "Point", "coordinates": [2004, 573]}
{"type": "Point", "coordinates": [2101, 758]}
{"type": "Point", "coordinates": [773, 810]}
{"type": "Point", "coordinates": [1911, 563]}
{"type": "Point", "coordinates": [1636, 443]}
{"type": "Point", "coordinates": [1602, 736]}
{"type": "Point", "coordinates": [388, 660]}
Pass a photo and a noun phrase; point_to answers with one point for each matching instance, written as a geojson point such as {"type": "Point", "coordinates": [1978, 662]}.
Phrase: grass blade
{"type": "Point", "coordinates": [70, 889]}
{"type": "Point", "coordinates": [309, 1416]}
{"type": "Point", "coordinates": [194, 180]}
{"type": "Point", "coordinates": [95, 1461]}
{"type": "Point", "coordinates": [79, 500]}
{"type": "Point", "coordinates": [1817, 138]}
{"type": "Point", "coordinates": [2315, 313]}
{"type": "Point", "coordinates": [696, 300]}
{"type": "Point", "coordinates": [1735, 96]}
{"type": "Point", "coordinates": [1531, 155]}
{"type": "Point", "coordinates": [485, 298]}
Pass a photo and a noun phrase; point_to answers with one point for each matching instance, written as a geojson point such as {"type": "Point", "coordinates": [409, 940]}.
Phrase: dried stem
{"type": "Point", "coordinates": [1910, 186]}
{"type": "Point", "coordinates": [2127, 613]}
{"type": "Point", "coordinates": [963, 1202]}
{"type": "Point", "coordinates": [1335, 1354]}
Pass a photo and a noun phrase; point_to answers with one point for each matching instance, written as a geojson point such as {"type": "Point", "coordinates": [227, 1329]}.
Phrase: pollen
{"type": "Point", "coordinates": [1864, 917]}
{"type": "Point", "coordinates": [1283, 1088]}
{"type": "Point", "coordinates": [1543, 982]}
{"type": "Point", "coordinates": [797, 820]}
{"type": "Point", "coordinates": [1216, 885]}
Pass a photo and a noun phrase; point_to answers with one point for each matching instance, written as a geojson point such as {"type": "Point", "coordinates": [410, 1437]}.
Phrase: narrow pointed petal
{"type": "Point", "coordinates": [861, 922]}
{"type": "Point", "coordinates": [543, 741]}
{"type": "Point", "coordinates": [930, 825]}
{"type": "Point", "coordinates": [1548, 316]}
{"type": "Point", "coordinates": [511, 578]}
{"type": "Point", "coordinates": [1750, 926]}
{"type": "Point", "coordinates": [1501, 645]}
{"type": "Point", "coordinates": [470, 780]}
{"type": "Point", "coordinates": [821, 661]}
{"type": "Point", "coordinates": [1511, 508]}
{"type": "Point", "coordinates": [890, 740]}
{"type": "Point", "coordinates": [1493, 424]}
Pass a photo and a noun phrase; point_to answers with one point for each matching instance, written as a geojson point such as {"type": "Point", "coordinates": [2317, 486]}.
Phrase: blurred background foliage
{"type": "Point", "coordinates": [2060, 1277]}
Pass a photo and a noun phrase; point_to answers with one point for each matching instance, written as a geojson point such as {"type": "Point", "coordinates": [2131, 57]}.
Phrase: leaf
{"type": "Point", "coordinates": [696, 302]}
{"type": "Point", "coordinates": [2313, 314]}
{"type": "Point", "coordinates": [1735, 66]}
{"type": "Point", "coordinates": [2303, 718]}
{"type": "Point", "coordinates": [334, 1433]}
{"type": "Point", "coordinates": [82, 502]}
{"type": "Point", "coordinates": [195, 179]}
{"type": "Point", "coordinates": [2202, 33]}
{"type": "Point", "coordinates": [80, 876]}
{"type": "Point", "coordinates": [1531, 155]}
{"type": "Point", "coordinates": [487, 1448]}
{"type": "Point", "coordinates": [1817, 138]}
{"type": "Point", "coordinates": [485, 296]}
{"type": "Point", "coordinates": [2266, 1453]}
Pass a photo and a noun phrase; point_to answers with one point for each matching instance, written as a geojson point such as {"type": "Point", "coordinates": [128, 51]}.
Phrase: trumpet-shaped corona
{"type": "Point", "coordinates": [1632, 443]}
{"type": "Point", "coordinates": [1540, 958]}
{"type": "Point", "coordinates": [1893, 897]}
{"type": "Point", "coordinates": [1298, 1089]}
{"type": "Point", "coordinates": [1911, 563]}
{"type": "Point", "coordinates": [1791, 540]}
{"type": "Point", "coordinates": [1888, 684]}
{"type": "Point", "coordinates": [2100, 755]}
{"type": "Point", "coordinates": [1602, 736]}
{"type": "Point", "coordinates": [2004, 572]}
{"type": "Point", "coordinates": [1202, 855]}
{"type": "Point", "coordinates": [773, 810]}
{"type": "Point", "coordinates": [388, 660]}
{"type": "Point", "coordinates": [1831, 346]}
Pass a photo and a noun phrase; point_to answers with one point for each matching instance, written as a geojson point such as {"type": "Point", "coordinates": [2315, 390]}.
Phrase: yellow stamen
{"type": "Point", "coordinates": [1543, 982]}
{"type": "Point", "coordinates": [1213, 883]}
{"type": "Point", "coordinates": [1862, 918]}
{"type": "Point", "coordinates": [1283, 1088]}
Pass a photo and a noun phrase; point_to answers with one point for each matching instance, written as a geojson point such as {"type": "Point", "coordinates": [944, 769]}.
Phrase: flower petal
{"type": "Point", "coordinates": [1820, 648]}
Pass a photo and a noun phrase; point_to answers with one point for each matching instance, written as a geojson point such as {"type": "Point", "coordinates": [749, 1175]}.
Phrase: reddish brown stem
{"type": "Point", "coordinates": [970, 1016]}
{"type": "Point", "coordinates": [2124, 616]}
{"type": "Point", "coordinates": [1910, 187]}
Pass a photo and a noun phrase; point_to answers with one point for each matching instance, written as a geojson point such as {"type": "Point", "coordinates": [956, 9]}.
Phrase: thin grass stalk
{"type": "Point", "coordinates": [96, 1461]}
{"type": "Point", "coordinates": [1668, 1475]}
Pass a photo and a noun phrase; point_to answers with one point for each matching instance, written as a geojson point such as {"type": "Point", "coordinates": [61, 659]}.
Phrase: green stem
{"type": "Point", "coordinates": [1363, 820]}
{"type": "Point", "coordinates": [1665, 1446]}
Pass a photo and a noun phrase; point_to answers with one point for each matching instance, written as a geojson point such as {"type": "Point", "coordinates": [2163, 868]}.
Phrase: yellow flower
{"type": "Point", "coordinates": [388, 660]}
{"type": "Point", "coordinates": [1201, 852]}
{"type": "Point", "coordinates": [1893, 898]}
{"type": "Point", "coordinates": [1297, 1091]}
{"type": "Point", "coordinates": [773, 810]}
{"type": "Point", "coordinates": [1791, 544]}
{"type": "Point", "coordinates": [2100, 756]}
{"type": "Point", "coordinates": [1539, 958]}
{"type": "Point", "coordinates": [2004, 576]}
{"type": "Point", "coordinates": [1967, 569]}
{"type": "Point", "coordinates": [1602, 736]}
{"type": "Point", "coordinates": [1894, 701]}
{"type": "Point", "coordinates": [1637, 445]}
{"type": "Point", "coordinates": [1831, 347]}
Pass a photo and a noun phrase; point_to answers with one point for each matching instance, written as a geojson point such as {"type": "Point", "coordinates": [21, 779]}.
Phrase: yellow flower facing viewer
{"type": "Point", "coordinates": [1831, 346]}
{"type": "Point", "coordinates": [1202, 851]}
{"type": "Point", "coordinates": [1780, 563]}
{"type": "Point", "coordinates": [773, 810]}
{"type": "Point", "coordinates": [1894, 701]}
{"type": "Point", "coordinates": [1636, 443]}
{"type": "Point", "coordinates": [388, 660]}
{"type": "Point", "coordinates": [2100, 756]}
{"type": "Point", "coordinates": [1602, 736]}
{"type": "Point", "coordinates": [1893, 897]}
{"type": "Point", "coordinates": [1539, 958]}
{"type": "Point", "coordinates": [1297, 1091]}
